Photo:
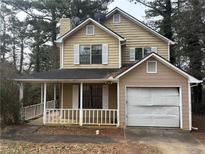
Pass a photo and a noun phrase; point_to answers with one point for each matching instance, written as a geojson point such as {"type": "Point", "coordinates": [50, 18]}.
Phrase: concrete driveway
{"type": "Point", "coordinates": [169, 141]}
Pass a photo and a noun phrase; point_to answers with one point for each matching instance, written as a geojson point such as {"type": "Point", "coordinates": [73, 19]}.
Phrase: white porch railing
{"type": "Point", "coordinates": [89, 116]}
{"type": "Point", "coordinates": [62, 116]}
{"type": "Point", "coordinates": [100, 116]}
{"type": "Point", "coordinates": [33, 111]}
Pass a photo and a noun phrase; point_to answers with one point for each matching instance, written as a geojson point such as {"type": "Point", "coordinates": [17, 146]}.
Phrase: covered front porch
{"type": "Point", "coordinates": [79, 103]}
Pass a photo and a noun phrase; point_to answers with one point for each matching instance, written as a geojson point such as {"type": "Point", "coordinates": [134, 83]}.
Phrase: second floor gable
{"type": "Point", "coordinates": [120, 40]}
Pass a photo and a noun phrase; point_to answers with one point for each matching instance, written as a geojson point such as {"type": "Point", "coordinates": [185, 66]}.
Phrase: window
{"type": "Point", "coordinates": [151, 67]}
{"type": "Point", "coordinates": [96, 54]}
{"type": "Point", "coordinates": [84, 54]}
{"type": "Point", "coordinates": [90, 30]}
{"type": "Point", "coordinates": [139, 53]}
{"type": "Point", "coordinates": [91, 54]}
{"type": "Point", "coordinates": [116, 18]}
{"type": "Point", "coordinates": [92, 96]}
{"type": "Point", "coordinates": [149, 50]}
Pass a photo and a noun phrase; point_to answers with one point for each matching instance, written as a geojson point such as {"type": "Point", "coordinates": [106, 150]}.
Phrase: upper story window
{"type": "Point", "coordinates": [151, 67]}
{"type": "Point", "coordinates": [137, 54]}
{"type": "Point", "coordinates": [90, 30]}
{"type": "Point", "coordinates": [90, 54]}
{"type": "Point", "coordinates": [116, 18]}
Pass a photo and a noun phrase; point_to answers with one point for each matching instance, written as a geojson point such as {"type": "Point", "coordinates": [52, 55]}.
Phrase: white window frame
{"type": "Point", "coordinates": [113, 18]}
{"type": "Point", "coordinates": [93, 27]}
{"type": "Point", "coordinates": [152, 61]}
{"type": "Point", "coordinates": [90, 52]}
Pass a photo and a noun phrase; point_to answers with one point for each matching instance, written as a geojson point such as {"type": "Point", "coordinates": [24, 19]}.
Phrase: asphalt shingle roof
{"type": "Point", "coordinates": [71, 74]}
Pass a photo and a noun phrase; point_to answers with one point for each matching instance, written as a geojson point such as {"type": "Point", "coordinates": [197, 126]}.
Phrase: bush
{"type": "Point", "coordinates": [9, 103]}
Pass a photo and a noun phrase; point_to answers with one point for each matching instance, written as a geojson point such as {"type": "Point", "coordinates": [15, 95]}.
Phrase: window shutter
{"type": "Point", "coordinates": [105, 54]}
{"type": "Point", "coordinates": [75, 96]}
{"type": "Point", "coordinates": [105, 96]}
{"type": "Point", "coordinates": [76, 54]}
{"type": "Point", "coordinates": [132, 54]}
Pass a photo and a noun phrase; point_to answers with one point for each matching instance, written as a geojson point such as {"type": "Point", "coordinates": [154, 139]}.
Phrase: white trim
{"type": "Point", "coordinates": [61, 106]}
{"type": "Point", "coordinates": [54, 95]}
{"type": "Point", "coordinates": [151, 61]}
{"type": "Point", "coordinates": [156, 86]}
{"type": "Point", "coordinates": [186, 75]}
{"type": "Point", "coordinates": [116, 22]}
{"type": "Point", "coordinates": [44, 104]}
{"type": "Point", "coordinates": [62, 55]}
{"type": "Point", "coordinates": [87, 26]}
{"type": "Point", "coordinates": [190, 108]}
{"type": "Point", "coordinates": [168, 52]}
{"type": "Point", "coordinates": [41, 93]}
{"type": "Point", "coordinates": [81, 104]}
{"type": "Point", "coordinates": [59, 40]}
{"type": "Point", "coordinates": [139, 23]}
{"type": "Point", "coordinates": [181, 110]}
{"type": "Point", "coordinates": [21, 92]}
{"type": "Point", "coordinates": [118, 103]}
{"type": "Point", "coordinates": [120, 55]}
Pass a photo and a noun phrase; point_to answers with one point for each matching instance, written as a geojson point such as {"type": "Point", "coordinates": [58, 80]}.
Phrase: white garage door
{"type": "Point", "coordinates": [153, 107]}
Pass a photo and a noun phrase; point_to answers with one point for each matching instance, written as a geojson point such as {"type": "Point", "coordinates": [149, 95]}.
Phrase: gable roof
{"type": "Point", "coordinates": [60, 39]}
{"type": "Point", "coordinates": [138, 22]}
{"type": "Point", "coordinates": [165, 62]}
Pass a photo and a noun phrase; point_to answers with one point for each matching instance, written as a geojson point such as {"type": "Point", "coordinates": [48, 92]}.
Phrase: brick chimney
{"type": "Point", "coordinates": [65, 25]}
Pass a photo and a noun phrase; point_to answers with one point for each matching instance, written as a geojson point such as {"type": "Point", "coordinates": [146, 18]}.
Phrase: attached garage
{"type": "Point", "coordinates": [158, 106]}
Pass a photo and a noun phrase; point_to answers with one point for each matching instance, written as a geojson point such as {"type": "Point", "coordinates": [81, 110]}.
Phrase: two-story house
{"type": "Point", "coordinates": [116, 73]}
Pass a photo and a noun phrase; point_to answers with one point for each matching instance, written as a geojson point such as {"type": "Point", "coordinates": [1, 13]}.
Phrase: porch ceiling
{"type": "Point", "coordinates": [69, 74]}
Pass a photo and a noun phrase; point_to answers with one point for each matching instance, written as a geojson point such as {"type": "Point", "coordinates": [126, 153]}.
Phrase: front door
{"type": "Point", "coordinates": [92, 96]}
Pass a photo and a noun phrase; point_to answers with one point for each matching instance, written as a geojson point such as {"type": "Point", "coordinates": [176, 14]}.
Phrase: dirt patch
{"type": "Point", "coordinates": [79, 131]}
{"type": "Point", "coordinates": [199, 122]}
{"type": "Point", "coordinates": [8, 147]}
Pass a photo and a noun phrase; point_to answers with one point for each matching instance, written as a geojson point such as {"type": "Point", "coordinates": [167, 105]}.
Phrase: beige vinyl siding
{"type": "Point", "coordinates": [164, 77]}
{"type": "Point", "coordinates": [136, 36]}
{"type": "Point", "coordinates": [100, 37]}
{"type": "Point", "coordinates": [68, 90]}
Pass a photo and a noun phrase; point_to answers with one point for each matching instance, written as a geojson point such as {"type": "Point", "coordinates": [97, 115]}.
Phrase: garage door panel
{"type": "Point", "coordinates": [159, 121]}
{"type": "Point", "coordinates": [153, 96]}
{"type": "Point", "coordinates": [135, 110]}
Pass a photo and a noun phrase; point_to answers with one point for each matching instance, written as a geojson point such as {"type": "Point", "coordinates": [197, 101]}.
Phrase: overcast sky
{"type": "Point", "coordinates": [136, 10]}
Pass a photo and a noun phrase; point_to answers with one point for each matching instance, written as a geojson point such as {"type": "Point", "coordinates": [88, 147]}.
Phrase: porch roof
{"type": "Point", "coordinates": [70, 74]}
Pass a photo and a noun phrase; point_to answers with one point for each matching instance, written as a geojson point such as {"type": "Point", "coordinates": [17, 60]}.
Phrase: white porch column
{"type": "Point", "coordinates": [42, 93]}
{"type": "Point", "coordinates": [21, 101]}
{"type": "Point", "coordinates": [54, 95]}
{"type": "Point", "coordinates": [118, 103]}
{"type": "Point", "coordinates": [44, 104]}
{"type": "Point", "coordinates": [81, 104]}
